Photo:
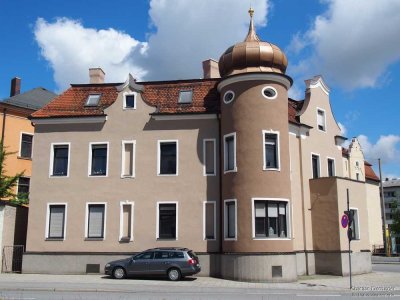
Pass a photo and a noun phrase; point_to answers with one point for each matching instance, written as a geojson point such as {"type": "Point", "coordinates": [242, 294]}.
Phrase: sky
{"type": "Point", "coordinates": [353, 44]}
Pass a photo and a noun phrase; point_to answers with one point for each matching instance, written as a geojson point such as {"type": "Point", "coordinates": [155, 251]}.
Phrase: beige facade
{"type": "Point", "coordinates": [276, 183]}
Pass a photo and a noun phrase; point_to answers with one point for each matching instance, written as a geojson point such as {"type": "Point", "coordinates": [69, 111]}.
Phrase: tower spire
{"type": "Point", "coordinates": [251, 35]}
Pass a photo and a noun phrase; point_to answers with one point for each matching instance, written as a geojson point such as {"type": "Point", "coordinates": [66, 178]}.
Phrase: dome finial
{"type": "Point", "coordinates": [251, 35]}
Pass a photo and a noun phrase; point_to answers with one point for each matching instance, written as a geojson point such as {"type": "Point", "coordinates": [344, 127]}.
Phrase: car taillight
{"type": "Point", "coordinates": [192, 261]}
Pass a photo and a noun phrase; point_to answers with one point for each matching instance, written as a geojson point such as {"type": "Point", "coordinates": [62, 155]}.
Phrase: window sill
{"type": "Point", "coordinates": [58, 176]}
{"type": "Point", "coordinates": [94, 176]}
{"type": "Point", "coordinates": [125, 240]}
{"type": "Point", "coordinates": [272, 169]}
{"type": "Point", "coordinates": [129, 108]}
{"type": "Point", "coordinates": [214, 174]}
{"type": "Point", "coordinates": [230, 171]}
{"type": "Point", "coordinates": [230, 239]}
{"type": "Point", "coordinates": [210, 239]}
{"type": "Point", "coordinates": [24, 158]}
{"type": "Point", "coordinates": [54, 239]}
{"type": "Point", "coordinates": [127, 177]}
{"type": "Point", "coordinates": [167, 239]}
{"type": "Point", "coordinates": [94, 239]}
{"type": "Point", "coordinates": [168, 175]}
{"type": "Point", "coordinates": [271, 239]}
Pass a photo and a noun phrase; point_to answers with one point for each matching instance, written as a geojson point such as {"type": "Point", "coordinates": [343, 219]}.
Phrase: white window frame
{"type": "Point", "coordinates": [159, 142]}
{"type": "Point", "coordinates": [124, 107]}
{"type": "Point", "coordinates": [215, 157]}
{"type": "Point", "coordinates": [358, 229]}
{"type": "Point", "coordinates": [121, 221]}
{"type": "Point", "coordinates": [272, 88]}
{"type": "Point", "coordinates": [123, 143]}
{"type": "Point", "coordinates": [214, 203]}
{"type": "Point", "coordinates": [18, 183]}
{"type": "Point", "coordinates": [278, 156]}
{"type": "Point", "coordinates": [226, 93]}
{"type": "Point", "coordinates": [90, 158]}
{"type": "Point", "coordinates": [327, 166]}
{"type": "Point", "coordinates": [46, 236]}
{"type": "Point", "coordinates": [20, 144]}
{"type": "Point", "coordinates": [319, 165]}
{"type": "Point", "coordinates": [52, 159]}
{"type": "Point", "coordinates": [158, 219]}
{"type": "Point", "coordinates": [226, 238]}
{"type": "Point", "coordinates": [324, 112]}
{"type": "Point", "coordinates": [288, 219]}
{"type": "Point", "coordinates": [226, 151]}
{"type": "Point", "coordinates": [87, 220]}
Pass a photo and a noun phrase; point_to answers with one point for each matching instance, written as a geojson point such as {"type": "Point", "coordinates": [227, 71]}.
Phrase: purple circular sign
{"type": "Point", "coordinates": [345, 221]}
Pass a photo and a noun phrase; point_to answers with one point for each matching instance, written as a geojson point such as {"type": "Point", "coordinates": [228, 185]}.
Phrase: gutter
{"type": "Point", "coordinates": [3, 128]}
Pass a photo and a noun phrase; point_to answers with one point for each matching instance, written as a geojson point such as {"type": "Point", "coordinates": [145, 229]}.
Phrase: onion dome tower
{"type": "Point", "coordinates": [256, 186]}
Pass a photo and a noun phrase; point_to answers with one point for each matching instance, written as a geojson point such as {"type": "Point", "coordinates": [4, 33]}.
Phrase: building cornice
{"type": "Point", "coordinates": [279, 78]}
{"type": "Point", "coordinates": [175, 117]}
{"type": "Point", "coordinates": [74, 120]}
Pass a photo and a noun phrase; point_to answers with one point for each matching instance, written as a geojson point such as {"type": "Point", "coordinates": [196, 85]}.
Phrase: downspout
{"type": "Point", "coordinates": [221, 202]}
{"type": "Point", "coordinates": [3, 127]}
{"type": "Point", "coordinates": [302, 201]}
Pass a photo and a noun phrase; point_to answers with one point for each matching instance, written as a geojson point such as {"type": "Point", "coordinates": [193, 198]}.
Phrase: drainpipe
{"type": "Point", "coordinates": [3, 128]}
{"type": "Point", "coordinates": [221, 206]}
{"type": "Point", "coordinates": [302, 202]}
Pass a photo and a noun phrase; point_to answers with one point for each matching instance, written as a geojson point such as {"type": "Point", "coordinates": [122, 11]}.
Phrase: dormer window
{"type": "Point", "coordinates": [185, 96]}
{"type": "Point", "coordinates": [130, 101]}
{"type": "Point", "coordinates": [93, 100]}
{"type": "Point", "coordinates": [321, 119]}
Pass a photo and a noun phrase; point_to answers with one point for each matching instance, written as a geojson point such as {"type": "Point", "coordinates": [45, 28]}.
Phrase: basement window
{"type": "Point", "coordinates": [185, 96]}
{"type": "Point", "coordinates": [93, 100]}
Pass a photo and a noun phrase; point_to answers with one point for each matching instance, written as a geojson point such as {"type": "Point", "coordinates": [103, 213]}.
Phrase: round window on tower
{"type": "Point", "coordinates": [269, 92]}
{"type": "Point", "coordinates": [228, 97]}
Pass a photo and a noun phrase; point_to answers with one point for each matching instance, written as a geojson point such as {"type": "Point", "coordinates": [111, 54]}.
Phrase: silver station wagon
{"type": "Point", "coordinates": [172, 262]}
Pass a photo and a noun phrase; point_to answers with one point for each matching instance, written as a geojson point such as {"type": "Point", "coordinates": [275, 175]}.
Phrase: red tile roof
{"type": "Point", "coordinates": [165, 95]}
{"type": "Point", "coordinates": [71, 103]}
{"type": "Point", "coordinates": [369, 172]}
{"type": "Point", "coordinates": [294, 107]}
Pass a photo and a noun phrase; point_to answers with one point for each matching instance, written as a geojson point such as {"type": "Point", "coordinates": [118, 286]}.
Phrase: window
{"type": "Point", "coordinates": [315, 166]}
{"type": "Point", "coordinates": [168, 254]}
{"type": "Point", "coordinates": [269, 92]}
{"type": "Point", "coordinates": [129, 100]}
{"type": "Point", "coordinates": [126, 222]}
{"type": "Point", "coordinates": [128, 159]}
{"type": "Point", "coordinates": [230, 219]}
{"type": "Point", "coordinates": [56, 220]}
{"type": "Point", "coordinates": [271, 151]}
{"type": "Point", "coordinates": [96, 220]}
{"type": "Point", "coordinates": [167, 157]}
{"type": "Point", "coordinates": [23, 187]}
{"type": "Point", "coordinates": [358, 176]}
{"type": "Point", "coordinates": [59, 162]}
{"type": "Point", "coordinates": [331, 167]}
{"type": "Point", "coordinates": [26, 145]}
{"type": "Point", "coordinates": [93, 100]}
{"type": "Point", "coordinates": [270, 219]}
{"type": "Point", "coordinates": [98, 159]}
{"type": "Point", "coordinates": [209, 157]}
{"type": "Point", "coordinates": [167, 221]}
{"type": "Point", "coordinates": [230, 153]}
{"type": "Point", "coordinates": [321, 121]}
{"type": "Point", "coordinates": [185, 96]}
{"type": "Point", "coordinates": [209, 220]}
{"type": "Point", "coordinates": [355, 230]}
{"type": "Point", "coordinates": [145, 255]}
{"type": "Point", "coordinates": [228, 97]}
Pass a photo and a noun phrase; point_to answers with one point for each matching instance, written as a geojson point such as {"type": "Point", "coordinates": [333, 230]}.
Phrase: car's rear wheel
{"type": "Point", "coordinates": [174, 274]}
{"type": "Point", "coordinates": [119, 273]}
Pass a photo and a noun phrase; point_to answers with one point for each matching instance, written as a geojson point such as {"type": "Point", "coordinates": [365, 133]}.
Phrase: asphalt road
{"type": "Point", "coordinates": [388, 267]}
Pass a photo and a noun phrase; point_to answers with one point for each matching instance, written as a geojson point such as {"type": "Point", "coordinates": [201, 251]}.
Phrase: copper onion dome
{"type": "Point", "coordinates": [252, 55]}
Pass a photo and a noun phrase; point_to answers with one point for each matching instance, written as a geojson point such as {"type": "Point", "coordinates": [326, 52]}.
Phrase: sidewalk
{"type": "Point", "coordinates": [26, 282]}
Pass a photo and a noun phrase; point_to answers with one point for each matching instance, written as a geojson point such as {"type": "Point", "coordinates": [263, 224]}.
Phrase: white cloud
{"type": "Point", "coordinates": [354, 42]}
{"type": "Point", "coordinates": [343, 129]}
{"type": "Point", "coordinates": [186, 33]}
{"type": "Point", "coordinates": [387, 148]}
{"type": "Point", "coordinates": [72, 49]}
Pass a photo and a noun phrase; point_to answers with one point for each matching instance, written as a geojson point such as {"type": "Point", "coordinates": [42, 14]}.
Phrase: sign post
{"type": "Point", "coordinates": [349, 232]}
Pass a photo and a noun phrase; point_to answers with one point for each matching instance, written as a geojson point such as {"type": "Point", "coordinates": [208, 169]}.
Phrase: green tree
{"type": "Point", "coordinates": [395, 227]}
{"type": "Point", "coordinates": [8, 183]}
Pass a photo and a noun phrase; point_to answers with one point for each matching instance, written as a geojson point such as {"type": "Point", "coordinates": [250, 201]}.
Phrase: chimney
{"type": "Point", "coordinates": [15, 86]}
{"type": "Point", "coordinates": [96, 75]}
{"type": "Point", "coordinates": [210, 69]}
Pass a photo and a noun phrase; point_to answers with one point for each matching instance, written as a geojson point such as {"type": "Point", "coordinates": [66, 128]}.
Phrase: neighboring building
{"type": "Point", "coordinates": [391, 193]}
{"type": "Point", "coordinates": [17, 135]}
{"type": "Point", "coordinates": [17, 130]}
{"type": "Point", "coordinates": [356, 168]}
{"type": "Point", "coordinates": [248, 178]}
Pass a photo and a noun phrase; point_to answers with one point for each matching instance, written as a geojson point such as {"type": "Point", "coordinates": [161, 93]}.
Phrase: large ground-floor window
{"type": "Point", "coordinates": [270, 219]}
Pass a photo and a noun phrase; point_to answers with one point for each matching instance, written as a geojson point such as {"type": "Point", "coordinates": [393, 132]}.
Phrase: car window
{"type": "Point", "coordinates": [161, 255]}
{"type": "Point", "coordinates": [144, 255]}
{"type": "Point", "coordinates": [176, 254]}
{"type": "Point", "coordinates": [192, 254]}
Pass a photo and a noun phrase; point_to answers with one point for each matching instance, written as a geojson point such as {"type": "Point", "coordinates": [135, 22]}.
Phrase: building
{"type": "Point", "coordinates": [17, 130]}
{"type": "Point", "coordinates": [251, 180]}
{"type": "Point", "coordinates": [391, 194]}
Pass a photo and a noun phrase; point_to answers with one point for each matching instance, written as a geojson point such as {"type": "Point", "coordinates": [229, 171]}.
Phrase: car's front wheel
{"type": "Point", "coordinates": [119, 273]}
{"type": "Point", "coordinates": [174, 274]}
